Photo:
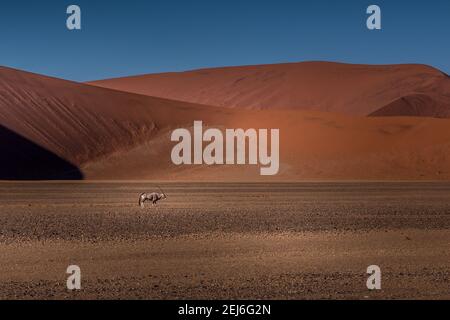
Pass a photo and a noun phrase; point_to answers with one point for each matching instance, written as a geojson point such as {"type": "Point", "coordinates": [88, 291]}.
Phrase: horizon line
{"type": "Point", "coordinates": [229, 67]}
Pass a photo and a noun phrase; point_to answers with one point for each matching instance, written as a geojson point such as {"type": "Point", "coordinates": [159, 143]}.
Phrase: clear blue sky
{"type": "Point", "coordinates": [122, 38]}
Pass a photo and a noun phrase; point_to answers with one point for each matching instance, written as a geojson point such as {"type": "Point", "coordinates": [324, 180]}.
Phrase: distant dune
{"type": "Point", "coordinates": [319, 86]}
{"type": "Point", "coordinates": [69, 130]}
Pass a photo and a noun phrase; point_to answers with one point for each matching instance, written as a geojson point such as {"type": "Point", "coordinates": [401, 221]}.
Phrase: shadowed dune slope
{"type": "Point", "coordinates": [320, 86]}
{"type": "Point", "coordinates": [24, 160]}
{"type": "Point", "coordinates": [415, 105]}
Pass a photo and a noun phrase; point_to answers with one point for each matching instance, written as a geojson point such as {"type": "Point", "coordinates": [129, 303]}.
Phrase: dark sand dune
{"type": "Point", "coordinates": [321, 86]}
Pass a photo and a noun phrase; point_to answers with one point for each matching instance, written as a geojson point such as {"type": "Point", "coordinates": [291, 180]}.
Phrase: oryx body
{"type": "Point", "coordinates": [154, 197]}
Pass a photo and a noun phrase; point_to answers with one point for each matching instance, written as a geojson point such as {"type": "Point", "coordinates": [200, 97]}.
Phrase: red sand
{"type": "Point", "coordinates": [79, 122]}
{"type": "Point", "coordinates": [116, 135]}
{"type": "Point", "coordinates": [320, 86]}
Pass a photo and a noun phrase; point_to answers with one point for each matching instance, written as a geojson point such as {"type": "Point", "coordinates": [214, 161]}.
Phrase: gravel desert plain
{"type": "Point", "coordinates": [227, 241]}
{"type": "Point", "coordinates": [364, 179]}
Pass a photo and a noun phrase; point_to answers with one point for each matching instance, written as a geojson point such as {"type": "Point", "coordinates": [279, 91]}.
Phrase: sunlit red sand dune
{"type": "Point", "coordinates": [320, 86]}
{"type": "Point", "coordinates": [107, 134]}
{"type": "Point", "coordinates": [312, 146]}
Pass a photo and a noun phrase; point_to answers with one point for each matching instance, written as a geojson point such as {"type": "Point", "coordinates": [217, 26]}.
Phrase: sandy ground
{"type": "Point", "coordinates": [231, 241]}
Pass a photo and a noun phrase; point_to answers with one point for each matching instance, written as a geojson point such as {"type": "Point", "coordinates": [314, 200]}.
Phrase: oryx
{"type": "Point", "coordinates": [154, 197]}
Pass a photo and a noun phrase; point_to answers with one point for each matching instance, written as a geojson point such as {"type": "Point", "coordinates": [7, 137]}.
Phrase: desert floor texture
{"type": "Point", "coordinates": [225, 241]}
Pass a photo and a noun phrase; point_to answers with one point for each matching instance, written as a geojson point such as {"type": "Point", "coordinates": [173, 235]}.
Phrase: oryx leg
{"type": "Point", "coordinates": [142, 201]}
